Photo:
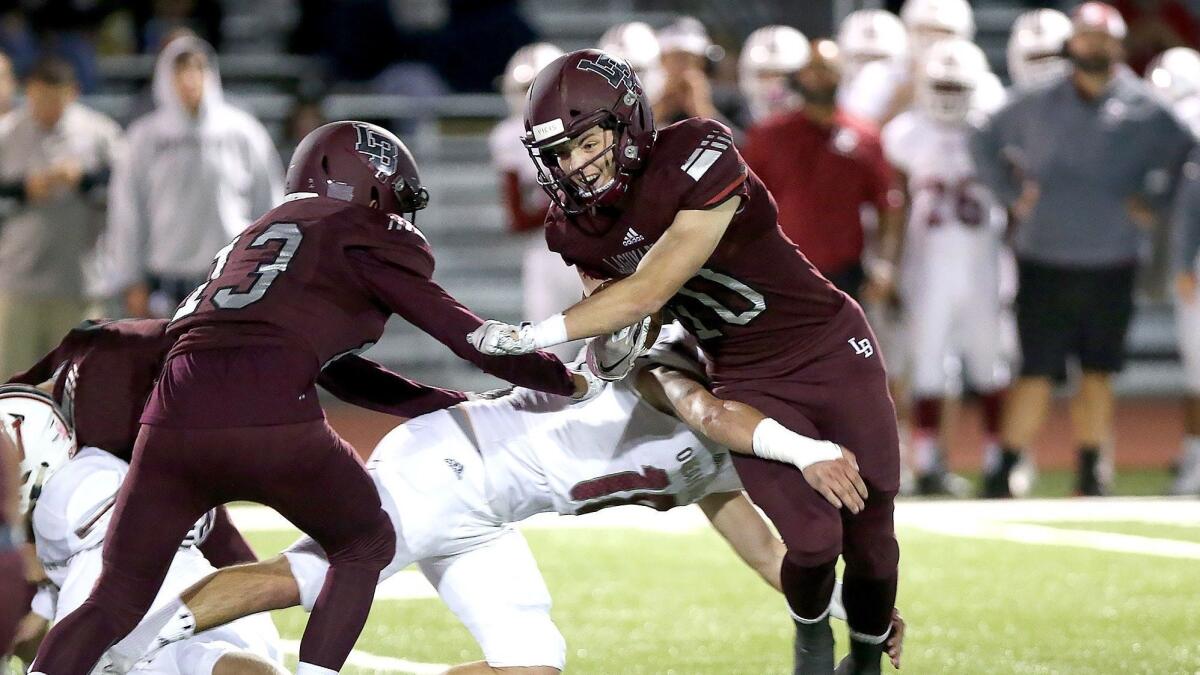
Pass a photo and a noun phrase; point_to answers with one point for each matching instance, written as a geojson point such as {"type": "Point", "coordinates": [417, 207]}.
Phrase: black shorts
{"type": "Point", "coordinates": [1067, 311]}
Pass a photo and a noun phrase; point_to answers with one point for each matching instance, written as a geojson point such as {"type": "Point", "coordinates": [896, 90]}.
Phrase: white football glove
{"type": "Point", "coordinates": [496, 338]}
{"type": "Point", "coordinates": [595, 385]}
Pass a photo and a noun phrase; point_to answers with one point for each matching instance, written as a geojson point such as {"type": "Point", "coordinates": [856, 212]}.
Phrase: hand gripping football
{"type": "Point", "coordinates": [611, 357]}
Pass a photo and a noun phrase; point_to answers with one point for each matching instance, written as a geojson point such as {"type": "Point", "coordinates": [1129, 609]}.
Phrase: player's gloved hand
{"type": "Point", "coordinates": [611, 357]}
{"type": "Point", "coordinates": [587, 385]}
{"type": "Point", "coordinates": [895, 641]}
{"type": "Point", "coordinates": [496, 338]}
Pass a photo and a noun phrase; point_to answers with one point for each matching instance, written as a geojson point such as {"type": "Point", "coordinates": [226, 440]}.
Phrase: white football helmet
{"type": "Point", "coordinates": [524, 65]}
{"type": "Point", "coordinates": [40, 432]}
{"type": "Point", "coordinates": [769, 61]}
{"type": "Point", "coordinates": [948, 79]}
{"type": "Point", "coordinates": [930, 21]}
{"type": "Point", "coordinates": [636, 42]}
{"type": "Point", "coordinates": [868, 35]}
{"type": "Point", "coordinates": [1175, 74]}
{"type": "Point", "coordinates": [686, 34]}
{"type": "Point", "coordinates": [1035, 47]}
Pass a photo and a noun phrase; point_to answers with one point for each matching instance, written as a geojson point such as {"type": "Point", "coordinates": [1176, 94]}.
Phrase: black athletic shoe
{"type": "Point", "coordinates": [1091, 481]}
{"type": "Point", "coordinates": [997, 481]}
{"type": "Point", "coordinates": [943, 483]}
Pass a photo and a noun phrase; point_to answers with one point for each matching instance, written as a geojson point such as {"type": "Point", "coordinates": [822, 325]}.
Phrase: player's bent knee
{"type": "Point", "coordinates": [373, 549]}
{"type": "Point", "coordinates": [529, 640]}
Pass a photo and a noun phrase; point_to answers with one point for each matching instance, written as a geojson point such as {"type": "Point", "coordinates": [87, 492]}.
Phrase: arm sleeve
{"type": "Point", "coordinates": [416, 298]}
{"type": "Point", "coordinates": [225, 545]}
{"type": "Point", "coordinates": [1173, 147]}
{"type": "Point", "coordinates": [125, 240]}
{"type": "Point", "coordinates": [367, 384]}
{"type": "Point", "coordinates": [987, 145]}
{"type": "Point", "coordinates": [713, 171]}
{"type": "Point", "coordinates": [1185, 217]}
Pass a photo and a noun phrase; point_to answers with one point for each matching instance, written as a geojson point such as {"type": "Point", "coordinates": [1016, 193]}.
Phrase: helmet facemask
{"type": "Point", "coordinates": [572, 191]}
{"type": "Point", "coordinates": [947, 101]}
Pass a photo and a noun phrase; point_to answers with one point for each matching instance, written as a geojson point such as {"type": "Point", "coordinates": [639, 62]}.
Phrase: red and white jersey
{"type": "Point", "coordinates": [955, 225]}
{"type": "Point", "coordinates": [509, 153]}
{"type": "Point", "coordinates": [757, 304]}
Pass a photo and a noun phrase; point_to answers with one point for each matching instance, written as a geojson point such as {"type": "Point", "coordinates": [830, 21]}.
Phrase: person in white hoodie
{"type": "Point", "coordinates": [197, 172]}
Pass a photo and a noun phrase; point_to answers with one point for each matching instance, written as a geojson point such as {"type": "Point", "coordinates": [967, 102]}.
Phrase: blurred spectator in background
{"type": "Point", "coordinates": [1157, 25]}
{"type": "Point", "coordinates": [826, 170]}
{"type": "Point", "coordinates": [196, 173]}
{"type": "Point", "coordinates": [55, 156]}
{"type": "Point", "coordinates": [1075, 160]}
{"type": "Point", "coordinates": [767, 68]}
{"type": "Point", "coordinates": [8, 84]}
{"type": "Point", "coordinates": [638, 45]}
{"type": "Point", "coordinates": [687, 89]}
{"type": "Point", "coordinates": [547, 283]}
{"type": "Point", "coordinates": [30, 29]}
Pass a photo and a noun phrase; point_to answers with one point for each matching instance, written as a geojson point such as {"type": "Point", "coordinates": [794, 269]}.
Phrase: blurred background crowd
{"type": "Point", "coordinates": [1004, 185]}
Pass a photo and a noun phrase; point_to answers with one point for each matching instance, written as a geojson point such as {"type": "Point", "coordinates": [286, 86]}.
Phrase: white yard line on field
{"type": "Point", "coordinates": [380, 664]}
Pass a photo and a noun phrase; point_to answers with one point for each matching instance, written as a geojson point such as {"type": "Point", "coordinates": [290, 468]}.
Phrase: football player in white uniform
{"type": "Point", "coordinates": [884, 88]}
{"type": "Point", "coordinates": [1175, 76]}
{"type": "Point", "coordinates": [71, 494]}
{"type": "Point", "coordinates": [1035, 48]}
{"type": "Point", "coordinates": [953, 248]}
{"type": "Point", "coordinates": [767, 66]}
{"type": "Point", "coordinates": [547, 284]}
{"type": "Point", "coordinates": [454, 481]}
{"type": "Point", "coordinates": [637, 43]}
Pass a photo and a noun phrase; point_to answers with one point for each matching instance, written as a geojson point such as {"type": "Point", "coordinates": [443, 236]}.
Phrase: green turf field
{"type": "Point", "coordinates": [977, 597]}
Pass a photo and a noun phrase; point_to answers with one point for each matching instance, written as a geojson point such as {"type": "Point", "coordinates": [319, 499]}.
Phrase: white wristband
{"type": "Point", "coordinates": [552, 331]}
{"type": "Point", "coordinates": [774, 441]}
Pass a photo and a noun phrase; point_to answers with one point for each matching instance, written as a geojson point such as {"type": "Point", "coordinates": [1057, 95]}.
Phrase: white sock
{"type": "Point", "coordinates": [925, 451]}
{"type": "Point", "coordinates": [1191, 450]}
{"type": "Point", "coordinates": [310, 669]}
{"type": "Point", "coordinates": [170, 623]}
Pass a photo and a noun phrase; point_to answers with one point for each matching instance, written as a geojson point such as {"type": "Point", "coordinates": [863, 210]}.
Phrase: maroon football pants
{"type": "Point", "coordinates": [838, 394]}
{"type": "Point", "coordinates": [304, 471]}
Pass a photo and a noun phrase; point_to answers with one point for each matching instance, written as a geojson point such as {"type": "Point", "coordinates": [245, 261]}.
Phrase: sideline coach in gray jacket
{"type": "Point", "coordinates": [1086, 162]}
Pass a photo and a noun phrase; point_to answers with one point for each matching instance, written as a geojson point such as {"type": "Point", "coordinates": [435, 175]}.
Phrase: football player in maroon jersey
{"type": "Point", "coordinates": [235, 415]}
{"type": "Point", "coordinates": [677, 217]}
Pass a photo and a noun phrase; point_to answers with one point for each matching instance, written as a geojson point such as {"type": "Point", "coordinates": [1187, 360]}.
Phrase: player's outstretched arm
{"type": "Point", "coordinates": [828, 467]}
{"type": "Point", "coordinates": [676, 257]}
{"type": "Point", "coordinates": [366, 384]}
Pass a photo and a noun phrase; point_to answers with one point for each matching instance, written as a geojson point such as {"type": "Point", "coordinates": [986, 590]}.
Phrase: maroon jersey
{"type": "Point", "coordinates": [757, 303]}
{"type": "Point", "coordinates": [103, 372]}
{"type": "Point", "coordinates": [312, 280]}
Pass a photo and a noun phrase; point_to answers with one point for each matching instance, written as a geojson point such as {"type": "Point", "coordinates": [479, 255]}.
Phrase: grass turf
{"type": "Point", "coordinates": [642, 602]}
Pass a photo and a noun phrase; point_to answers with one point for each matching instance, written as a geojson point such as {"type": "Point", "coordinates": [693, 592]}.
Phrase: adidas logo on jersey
{"type": "Point", "coordinates": [632, 237]}
{"type": "Point", "coordinates": [455, 466]}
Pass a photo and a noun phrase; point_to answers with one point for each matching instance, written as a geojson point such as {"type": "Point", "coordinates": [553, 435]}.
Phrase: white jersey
{"type": "Point", "coordinates": [953, 255]}
{"type": "Point", "coordinates": [70, 520]}
{"type": "Point", "coordinates": [870, 93]}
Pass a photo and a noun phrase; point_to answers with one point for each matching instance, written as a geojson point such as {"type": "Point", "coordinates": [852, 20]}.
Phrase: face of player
{"type": "Point", "coordinates": [190, 72]}
{"type": "Point", "coordinates": [1094, 52]}
{"type": "Point", "coordinates": [47, 102]}
{"type": "Point", "coordinates": [592, 155]}
{"type": "Point", "coordinates": [819, 79]}
{"type": "Point", "coordinates": [676, 63]}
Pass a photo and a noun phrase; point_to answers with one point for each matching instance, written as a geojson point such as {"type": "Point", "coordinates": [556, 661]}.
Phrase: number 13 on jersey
{"type": "Point", "coordinates": [226, 295]}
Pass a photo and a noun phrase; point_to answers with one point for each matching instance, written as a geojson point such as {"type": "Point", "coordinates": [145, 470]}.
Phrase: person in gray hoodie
{"type": "Point", "coordinates": [197, 172]}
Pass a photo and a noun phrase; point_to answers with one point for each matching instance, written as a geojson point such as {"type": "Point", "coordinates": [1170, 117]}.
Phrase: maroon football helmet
{"type": "Point", "coordinates": [572, 94]}
{"type": "Point", "coordinates": [360, 163]}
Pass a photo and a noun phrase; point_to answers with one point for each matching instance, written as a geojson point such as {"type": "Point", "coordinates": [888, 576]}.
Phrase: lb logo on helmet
{"type": "Point", "coordinates": [380, 152]}
{"type": "Point", "coordinates": [614, 70]}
